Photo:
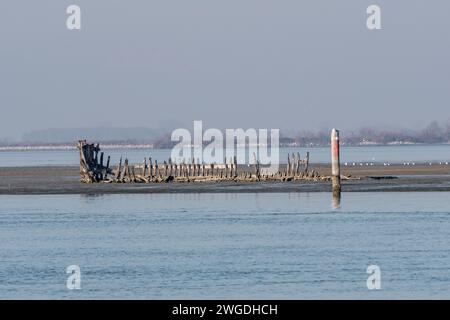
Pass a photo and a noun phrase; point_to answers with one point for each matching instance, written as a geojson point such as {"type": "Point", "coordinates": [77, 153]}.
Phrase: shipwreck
{"type": "Point", "coordinates": [94, 168]}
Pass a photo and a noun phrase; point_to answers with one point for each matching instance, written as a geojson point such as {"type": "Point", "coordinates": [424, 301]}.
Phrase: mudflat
{"type": "Point", "coordinates": [65, 180]}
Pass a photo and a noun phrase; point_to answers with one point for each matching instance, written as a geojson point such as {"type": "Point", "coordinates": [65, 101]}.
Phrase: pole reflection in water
{"type": "Point", "coordinates": [336, 202]}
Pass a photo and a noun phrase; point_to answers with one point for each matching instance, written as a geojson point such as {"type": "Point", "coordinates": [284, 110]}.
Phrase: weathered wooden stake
{"type": "Point", "coordinates": [119, 169]}
{"type": "Point", "coordinates": [126, 170]}
{"type": "Point", "coordinates": [288, 166]}
{"type": "Point", "coordinates": [150, 168]}
{"type": "Point", "coordinates": [293, 165]}
{"type": "Point", "coordinates": [297, 169]}
{"type": "Point", "coordinates": [144, 167]}
{"type": "Point", "coordinates": [133, 174]}
{"type": "Point", "coordinates": [307, 162]}
{"type": "Point", "coordinates": [107, 167]}
{"type": "Point", "coordinates": [199, 167]}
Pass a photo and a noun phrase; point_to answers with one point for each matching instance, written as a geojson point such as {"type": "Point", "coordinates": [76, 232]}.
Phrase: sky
{"type": "Point", "coordinates": [289, 64]}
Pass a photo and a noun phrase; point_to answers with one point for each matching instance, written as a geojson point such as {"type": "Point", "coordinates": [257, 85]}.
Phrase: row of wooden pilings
{"type": "Point", "coordinates": [152, 171]}
{"type": "Point", "coordinates": [169, 170]}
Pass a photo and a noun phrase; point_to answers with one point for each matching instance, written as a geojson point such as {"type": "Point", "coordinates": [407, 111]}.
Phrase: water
{"type": "Point", "coordinates": [376, 154]}
{"type": "Point", "coordinates": [226, 245]}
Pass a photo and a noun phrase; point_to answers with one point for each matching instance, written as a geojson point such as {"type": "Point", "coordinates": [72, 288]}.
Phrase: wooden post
{"type": "Point", "coordinates": [126, 170]}
{"type": "Point", "coordinates": [288, 166]}
{"type": "Point", "coordinates": [150, 168]}
{"type": "Point", "coordinates": [169, 167]}
{"type": "Point", "coordinates": [165, 168]}
{"type": "Point", "coordinates": [335, 164]}
{"type": "Point", "coordinates": [293, 164]}
{"type": "Point", "coordinates": [188, 168]}
{"type": "Point", "coordinates": [144, 167]}
{"type": "Point", "coordinates": [295, 161]}
{"type": "Point", "coordinates": [107, 167]}
{"type": "Point", "coordinates": [226, 166]}
{"type": "Point", "coordinates": [307, 162]}
{"type": "Point", "coordinates": [95, 152]}
{"type": "Point", "coordinates": [183, 168]}
{"type": "Point", "coordinates": [119, 169]}
{"type": "Point", "coordinates": [258, 170]}
{"type": "Point", "coordinates": [297, 169]}
{"type": "Point", "coordinates": [133, 179]}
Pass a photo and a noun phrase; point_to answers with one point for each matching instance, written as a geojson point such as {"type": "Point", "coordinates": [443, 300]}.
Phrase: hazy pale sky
{"type": "Point", "coordinates": [231, 63]}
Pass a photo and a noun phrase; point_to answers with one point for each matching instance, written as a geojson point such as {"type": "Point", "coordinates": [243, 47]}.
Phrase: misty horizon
{"type": "Point", "coordinates": [234, 64]}
{"type": "Point", "coordinates": [434, 132]}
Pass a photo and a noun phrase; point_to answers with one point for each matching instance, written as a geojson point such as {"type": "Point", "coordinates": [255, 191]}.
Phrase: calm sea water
{"type": "Point", "coordinates": [226, 245]}
{"type": "Point", "coordinates": [378, 154]}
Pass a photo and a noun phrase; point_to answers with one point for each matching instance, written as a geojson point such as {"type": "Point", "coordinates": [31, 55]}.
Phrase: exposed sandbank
{"type": "Point", "coordinates": [65, 180]}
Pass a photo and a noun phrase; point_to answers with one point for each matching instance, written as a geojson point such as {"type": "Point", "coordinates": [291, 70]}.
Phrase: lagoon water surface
{"type": "Point", "coordinates": [376, 154]}
{"type": "Point", "coordinates": [227, 246]}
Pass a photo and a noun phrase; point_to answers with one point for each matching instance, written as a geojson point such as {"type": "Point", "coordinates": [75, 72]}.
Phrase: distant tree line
{"type": "Point", "coordinates": [434, 133]}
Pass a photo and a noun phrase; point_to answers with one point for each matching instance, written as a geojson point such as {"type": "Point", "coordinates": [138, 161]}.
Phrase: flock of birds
{"type": "Point", "coordinates": [387, 164]}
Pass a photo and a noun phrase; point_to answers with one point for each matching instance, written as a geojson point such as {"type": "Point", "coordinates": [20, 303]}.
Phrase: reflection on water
{"type": "Point", "coordinates": [273, 245]}
{"type": "Point", "coordinates": [336, 202]}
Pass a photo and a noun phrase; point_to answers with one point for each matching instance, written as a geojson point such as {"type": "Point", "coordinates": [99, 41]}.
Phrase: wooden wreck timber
{"type": "Point", "coordinates": [93, 170]}
{"type": "Point", "coordinates": [91, 166]}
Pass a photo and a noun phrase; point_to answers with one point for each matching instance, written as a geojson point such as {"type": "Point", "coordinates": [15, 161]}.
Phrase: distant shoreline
{"type": "Point", "coordinates": [69, 147]}
{"type": "Point", "coordinates": [72, 147]}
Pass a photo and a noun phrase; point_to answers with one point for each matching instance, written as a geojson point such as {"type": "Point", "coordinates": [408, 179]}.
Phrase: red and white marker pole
{"type": "Point", "coordinates": [335, 164]}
